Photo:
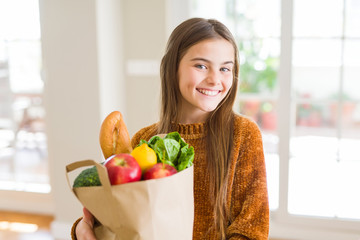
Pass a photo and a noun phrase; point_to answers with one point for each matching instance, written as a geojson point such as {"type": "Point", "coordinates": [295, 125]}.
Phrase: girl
{"type": "Point", "coordinates": [199, 78]}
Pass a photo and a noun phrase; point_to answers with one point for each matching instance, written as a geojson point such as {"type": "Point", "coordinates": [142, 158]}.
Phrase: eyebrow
{"type": "Point", "coordinates": [205, 60]}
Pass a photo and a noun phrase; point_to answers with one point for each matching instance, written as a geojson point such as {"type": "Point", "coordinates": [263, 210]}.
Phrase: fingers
{"type": "Point", "coordinates": [84, 229]}
{"type": "Point", "coordinates": [88, 217]}
{"type": "Point", "coordinates": [84, 232]}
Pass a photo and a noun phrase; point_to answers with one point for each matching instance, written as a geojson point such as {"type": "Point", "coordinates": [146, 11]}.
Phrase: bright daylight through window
{"type": "Point", "coordinates": [325, 161]}
{"type": "Point", "coordinates": [324, 130]}
{"type": "Point", "coordinates": [23, 150]}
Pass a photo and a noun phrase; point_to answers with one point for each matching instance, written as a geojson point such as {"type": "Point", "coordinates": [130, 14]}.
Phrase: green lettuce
{"type": "Point", "coordinates": [172, 150]}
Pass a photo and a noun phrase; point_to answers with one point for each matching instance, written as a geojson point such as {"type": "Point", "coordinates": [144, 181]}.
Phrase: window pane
{"type": "Point", "coordinates": [316, 52]}
{"type": "Point", "coordinates": [19, 19]}
{"type": "Point", "coordinates": [319, 186]}
{"type": "Point", "coordinates": [350, 134]}
{"type": "Point", "coordinates": [321, 18]}
{"type": "Point", "coordinates": [317, 147]}
{"type": "Point", "coordinates": [24, 70]}
{"type": "Point", "coordinates": [352, 69]}
{"type": "Point", "coordinates": [316, 68]}
{"type": "Point", "coordinates": [348, 195]}
{"type": "Point", "coordinates": [257, 19]}
{"type": "Point", "coordinates": [349, 147]}
{"type": "Point", "coordinates": [209, 9]}
{"type": "Point", "coordinates": [318, 119]}
{"type": "Point", "coordinates": [352, 52]}
{"type": "Point", "coordinates": [314, 165]}
{"type": "Point", "coordinates": [259, 63]}
{"type": "Point", "coordinates": [352, 83]}
{"type": "Point", "coordinates": [316, 82]}
{"type": "Point", "coordinates": [263, 113]}
{"type": "Point", "coordinates": [352, 28]}
{"type": "Point", "coordinates": [312, 185]}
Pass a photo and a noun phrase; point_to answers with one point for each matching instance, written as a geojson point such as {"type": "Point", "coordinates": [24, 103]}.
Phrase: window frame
{"type": "Point", "coordinates": [339, 228]}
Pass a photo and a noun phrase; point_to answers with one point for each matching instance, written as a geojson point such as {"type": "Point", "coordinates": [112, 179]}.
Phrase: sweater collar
{"type": "Point", "coordinates": [195, 130]}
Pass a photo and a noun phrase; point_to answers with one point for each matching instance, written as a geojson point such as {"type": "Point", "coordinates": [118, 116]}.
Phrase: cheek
{"type": "Point", "coordinates": [228, 83]}
{"type": "Point", "coordinates": [187, 81]}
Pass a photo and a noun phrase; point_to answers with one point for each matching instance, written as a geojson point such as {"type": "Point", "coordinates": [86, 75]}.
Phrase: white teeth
{"type": "Point", "coordinates": [208, 92]}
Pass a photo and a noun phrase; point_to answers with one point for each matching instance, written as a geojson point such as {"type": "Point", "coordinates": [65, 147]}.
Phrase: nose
{"type": "Point", "coordinates": [213, 77]}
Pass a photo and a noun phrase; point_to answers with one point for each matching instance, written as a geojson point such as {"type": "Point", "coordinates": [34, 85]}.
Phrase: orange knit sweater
{"type": "Point", "coordinates": [247, 196]}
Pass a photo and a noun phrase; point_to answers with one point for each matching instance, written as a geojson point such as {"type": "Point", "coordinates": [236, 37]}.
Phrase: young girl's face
{"type": "Point", "coordinates": [205, 76]}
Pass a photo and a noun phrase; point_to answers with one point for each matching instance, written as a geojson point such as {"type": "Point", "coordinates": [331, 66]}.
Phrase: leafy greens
{"type": "Point", "coordinates": [172, 150]}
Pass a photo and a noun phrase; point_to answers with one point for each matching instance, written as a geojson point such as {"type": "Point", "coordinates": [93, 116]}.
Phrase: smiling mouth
{"type": "Point", "coordinates": [208, 92]}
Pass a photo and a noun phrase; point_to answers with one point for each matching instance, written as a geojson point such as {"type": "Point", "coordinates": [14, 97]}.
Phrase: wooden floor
{"type": "Point", "coordinates": [23, 226]}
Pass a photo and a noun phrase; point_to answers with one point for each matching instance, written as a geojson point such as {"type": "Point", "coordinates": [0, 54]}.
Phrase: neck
{"type": "Point", "coordinates": [193, 118]}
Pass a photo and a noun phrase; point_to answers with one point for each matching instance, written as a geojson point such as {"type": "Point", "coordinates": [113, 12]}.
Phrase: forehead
{"type": "Point", "coordinates": [212, 48]}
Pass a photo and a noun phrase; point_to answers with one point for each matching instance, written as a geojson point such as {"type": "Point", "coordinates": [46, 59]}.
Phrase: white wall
{"type": "Point", "coordinates": [144, 43]}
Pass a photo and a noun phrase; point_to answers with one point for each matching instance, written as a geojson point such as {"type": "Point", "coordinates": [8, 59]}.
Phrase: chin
{"type": "Point", "coordinates": [209, 109]}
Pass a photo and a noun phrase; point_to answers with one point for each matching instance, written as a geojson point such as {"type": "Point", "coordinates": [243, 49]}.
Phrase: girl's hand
{"type": "Point", "coordinates": [84, 229]}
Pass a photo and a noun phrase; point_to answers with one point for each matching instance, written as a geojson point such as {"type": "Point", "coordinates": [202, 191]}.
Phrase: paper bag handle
{"type": "Point", "coordinates": [102, 172]}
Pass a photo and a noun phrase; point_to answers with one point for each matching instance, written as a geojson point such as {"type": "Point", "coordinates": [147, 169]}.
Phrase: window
{"type": "Point", "coordinates": [299, 68]}
{"type": "Point", "coordinates": [23, 150]}
{"type": "Point", "coordinates": [325, 68]}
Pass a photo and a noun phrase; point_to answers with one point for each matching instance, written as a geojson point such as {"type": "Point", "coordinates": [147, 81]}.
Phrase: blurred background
{"type": "Point", "coordinates": [64, 65]}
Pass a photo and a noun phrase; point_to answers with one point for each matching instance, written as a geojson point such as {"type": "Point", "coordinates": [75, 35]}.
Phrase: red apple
{"type": "Point", "coordinates": [159, 170]}
{"type": "Point", "coordinates": [122, 168]}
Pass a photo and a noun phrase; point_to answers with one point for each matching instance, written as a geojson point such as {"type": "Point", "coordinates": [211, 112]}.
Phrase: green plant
{"type": "Point", "coordinates": [257, 74]}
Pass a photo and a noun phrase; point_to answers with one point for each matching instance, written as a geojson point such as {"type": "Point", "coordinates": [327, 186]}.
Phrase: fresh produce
{"type": "Point", "coordinates": [114, 137]}
{"type": "Point", "coordinates": [88, 177]}
{"type": "Point", "coordinates": [156, 158]}
{"type": "Point", "coordinates": [122, 168]}
{"type": "Point", "coordinates": [145, 156]}
{"type": "Point", "coordinates": [172, 150]}
{"type": "Point", "coordinates": [159, 170]}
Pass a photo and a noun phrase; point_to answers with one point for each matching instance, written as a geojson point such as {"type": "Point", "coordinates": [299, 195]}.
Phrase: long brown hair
{"type": "Point", "coordinates": [219, 124]}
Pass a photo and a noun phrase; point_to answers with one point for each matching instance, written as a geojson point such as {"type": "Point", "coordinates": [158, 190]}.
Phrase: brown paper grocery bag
{"type": "Point", "coordinates": [158, 209]}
